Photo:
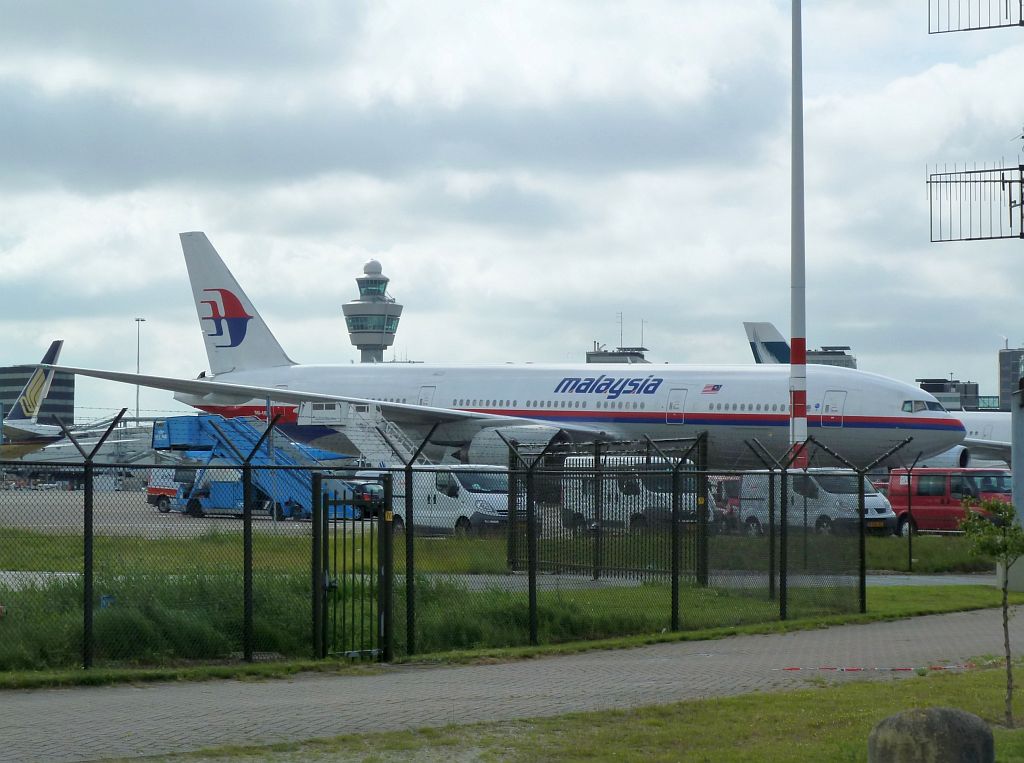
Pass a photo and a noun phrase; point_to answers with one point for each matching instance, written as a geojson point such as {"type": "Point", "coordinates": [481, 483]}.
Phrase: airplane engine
{"type": "Point", "coordinates": [487, 447]}
{"type": "Point", "coordinates": [957, 456]}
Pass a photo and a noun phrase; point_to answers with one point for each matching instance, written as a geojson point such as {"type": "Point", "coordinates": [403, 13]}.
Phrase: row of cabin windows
{"type": "Point", "coordinates": [783, 407]}
{"type": "Point", "coordinates": [330, 406]}
{"type": "Point", "coordinates": [610, 405]}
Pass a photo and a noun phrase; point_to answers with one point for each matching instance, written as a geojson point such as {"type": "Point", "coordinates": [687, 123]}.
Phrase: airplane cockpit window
{"type": "Point", "coordinates": [934, 405]}
{"type": "Point", "coordinates": [916, 406]}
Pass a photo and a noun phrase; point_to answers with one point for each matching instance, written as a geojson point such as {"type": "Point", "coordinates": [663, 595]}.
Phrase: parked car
{"type": "Point", "coordinates": [371, 493]}
{"type": "Point", "coordinates": [931, 500]}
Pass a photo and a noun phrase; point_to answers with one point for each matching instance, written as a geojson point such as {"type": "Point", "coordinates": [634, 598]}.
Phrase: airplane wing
{"type": "Point", "coordinates": [225, 393]}
{"type": "Point", "coordinates": [987, 449]}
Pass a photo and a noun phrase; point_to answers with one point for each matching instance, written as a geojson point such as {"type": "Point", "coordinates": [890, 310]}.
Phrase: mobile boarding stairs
{"type": "Point", "coordinates": [210, 445]}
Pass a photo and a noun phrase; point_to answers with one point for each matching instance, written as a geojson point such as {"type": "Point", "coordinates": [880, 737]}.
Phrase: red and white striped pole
{"type": "Point", "coordinates": [797, 307]}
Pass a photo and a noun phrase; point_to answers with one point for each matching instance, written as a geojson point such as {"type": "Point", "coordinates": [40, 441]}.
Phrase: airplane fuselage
{"type": "Point", "coordinates": [857, 414]}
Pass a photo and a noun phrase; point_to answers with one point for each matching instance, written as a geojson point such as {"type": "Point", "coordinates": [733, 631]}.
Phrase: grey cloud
{"type": "Point", "coordinates": [503, 206]}
{"type": "Point", "coordinates": [100, 142]}
{"type": "Point", "coordinates": [186, 34]}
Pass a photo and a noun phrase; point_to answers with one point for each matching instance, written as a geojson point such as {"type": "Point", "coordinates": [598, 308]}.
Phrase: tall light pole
{"type": "Point", "coordinates": [798, 324]}
{"type": "Point", "coordinates": [138, 346]}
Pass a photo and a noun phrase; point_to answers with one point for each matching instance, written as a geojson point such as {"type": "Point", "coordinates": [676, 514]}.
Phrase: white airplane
{"type": "Point", "coordinates": [857, 414]}
{"type": "Point", "coordinates": [22, 432]}
{"type": "Point", "coordinates": [987, 432]}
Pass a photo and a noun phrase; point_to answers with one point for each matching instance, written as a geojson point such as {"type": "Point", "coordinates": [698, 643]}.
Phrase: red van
{"type": "Point", "coordinates": [934, 496]}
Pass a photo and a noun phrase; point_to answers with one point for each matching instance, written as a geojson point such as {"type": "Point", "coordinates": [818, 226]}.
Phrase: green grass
{"type": "Point", "coordinates": [216, 550]}
{"type": "Point", "coordinates": [932, 554]}
{"type": "Point", "coordinates": [175, 600]}
{"type": "Point", "coordinates": [816, 724]}
{"type": "Point", "coordinates": [884, 604]}
{"type": "Point", "coordinates": [222, 550]}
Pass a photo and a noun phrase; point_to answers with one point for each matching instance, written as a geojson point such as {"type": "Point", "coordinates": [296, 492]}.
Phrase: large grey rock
{"type": "Point", "coordinates": [932, 735]}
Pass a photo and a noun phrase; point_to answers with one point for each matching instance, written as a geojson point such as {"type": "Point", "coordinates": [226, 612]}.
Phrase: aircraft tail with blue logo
{"type": "Point", "coordinates": [767, 344]}
{"type": "Point", "coordinates": [26, 407]}
{"type": "Point", "coordinates": [236, 337]}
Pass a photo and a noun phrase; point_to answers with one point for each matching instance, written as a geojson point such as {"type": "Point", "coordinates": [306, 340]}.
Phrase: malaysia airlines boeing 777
{"type": "Point", "coordinates": [859, 415]}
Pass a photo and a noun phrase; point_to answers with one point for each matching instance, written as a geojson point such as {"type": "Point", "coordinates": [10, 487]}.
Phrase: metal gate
{"type": "Point", "coordinates": [352, 574]}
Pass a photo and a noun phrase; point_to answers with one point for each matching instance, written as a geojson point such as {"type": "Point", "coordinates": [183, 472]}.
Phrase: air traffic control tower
{"type": "Point", "coordinates": [372, 319]}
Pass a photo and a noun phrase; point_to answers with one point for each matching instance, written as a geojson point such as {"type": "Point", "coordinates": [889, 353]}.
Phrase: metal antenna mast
{"type": "Point", "coordinates": [969, 15]}
{"type": "Point", "coordinates": [976, 204]}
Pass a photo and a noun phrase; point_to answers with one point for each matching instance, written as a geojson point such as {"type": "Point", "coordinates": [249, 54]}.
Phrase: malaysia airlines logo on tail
{"type": "Point", "coordinates": [228, 316]}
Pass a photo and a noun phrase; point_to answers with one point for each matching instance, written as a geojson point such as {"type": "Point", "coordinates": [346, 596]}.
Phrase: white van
{"type": "Point", "coordinates": [822, 499]}
{"type": "Point", "coordinates": [451, 498]}
{"type": "Point", "coordinates": [636, 493]}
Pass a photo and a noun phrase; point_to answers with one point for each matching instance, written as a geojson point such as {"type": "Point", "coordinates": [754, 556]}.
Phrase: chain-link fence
{"type": "Point", "coordinates": [117, 565]}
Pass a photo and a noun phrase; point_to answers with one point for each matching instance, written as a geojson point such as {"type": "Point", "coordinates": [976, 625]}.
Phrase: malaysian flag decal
{"type": "Point", "coordinates": [710, 389]}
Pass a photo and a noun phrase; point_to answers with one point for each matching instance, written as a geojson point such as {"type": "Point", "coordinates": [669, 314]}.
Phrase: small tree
{"type": "Point", "coordinates": [991, 528]}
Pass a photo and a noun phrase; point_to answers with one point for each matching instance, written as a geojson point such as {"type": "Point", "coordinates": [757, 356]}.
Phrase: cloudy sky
{"type": "Point", "coordinates": [525, 171]}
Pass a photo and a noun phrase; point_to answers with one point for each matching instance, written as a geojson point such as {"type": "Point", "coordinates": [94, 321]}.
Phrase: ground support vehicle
{"type": "Point", "coordinates": [635, 494]}
{"type": "Point", "coordinates": [460, 499]}
{"type": "Point", "coordinates": [725, 495]}
{"type": "Point", "coordinates": [204, 443]}
{"type": "Point", "coordinates": [822, 499]}
{"type": "Point", "coordinates": [931, 499]}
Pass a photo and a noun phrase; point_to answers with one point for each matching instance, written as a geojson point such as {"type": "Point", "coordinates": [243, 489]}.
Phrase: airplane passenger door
{"type": "Point", "coordinates": [832, 408]}
{"type": "Point", "coordinates": [675, 410]}
{"type": "Point", "coordinates": [427, 395]}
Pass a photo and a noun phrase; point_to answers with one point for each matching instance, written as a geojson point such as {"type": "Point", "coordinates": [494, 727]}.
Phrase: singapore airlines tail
{"type": "Point", "coordinates": [236, 337]}
{"type": "Point", "coordinates": [767, 344]}
{"type": "Point", "coordinates": [26, 408]}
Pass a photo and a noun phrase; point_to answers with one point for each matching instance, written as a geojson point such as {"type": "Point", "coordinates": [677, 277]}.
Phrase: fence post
{"type": "Point", "coordinates": [386, 575]}
{"type": "Point", "coordinates": [862, 550]}
{"type": "Point", "coordinates": [87, 534]}
{"type": "Point", "coordinates": [702, 510]}
{"type": "Point", "coordinates": [531, 548]}
{"type": "Point", "coordinates": [325, 566]}
{"type": "Point", "coordinates": [771, 533]}
{"type": "Point", "coordinates": [87, 570]}
{"type": "Point", "coordinates": [317, 563]}
{"type": "Point", "coordinates": [910, 519]}
{"type": "Point", "coordinates": [513, 501]}
{"type": "Point", "coordinates": [598, 512]}
{"type": "Point", "coordinates": [676, 490]}
{"type": "Point", "coordinates": [410, 568]}
{"type": "Point", "coordinates": [783, 543]}
{"type": "Point", "coordinates": [247, 616]}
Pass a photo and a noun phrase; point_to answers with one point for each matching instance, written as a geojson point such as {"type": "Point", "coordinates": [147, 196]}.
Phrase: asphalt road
{"type": "Point", "coordinates": [120, 513]}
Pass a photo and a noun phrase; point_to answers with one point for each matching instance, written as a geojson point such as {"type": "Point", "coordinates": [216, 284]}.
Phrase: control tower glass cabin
{"type": "Point", "coordinates": [372, 319]}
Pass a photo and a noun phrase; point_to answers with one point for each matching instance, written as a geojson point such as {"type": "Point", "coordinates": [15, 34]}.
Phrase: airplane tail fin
{"type": "Point", "coordinates": [767, 344]}
{"type": "Point", "coordinates": [236, 336]}
{"type": "Point", "coordinates": [26, 406]}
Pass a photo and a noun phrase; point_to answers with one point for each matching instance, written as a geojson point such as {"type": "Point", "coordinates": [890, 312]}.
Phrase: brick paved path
{"type": "Point", "coordinates": [95, 722]}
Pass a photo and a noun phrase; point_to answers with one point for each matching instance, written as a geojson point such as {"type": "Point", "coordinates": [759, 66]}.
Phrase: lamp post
{"type": "Point", "coordinates": [138, 346]}
{"type": "Point", "coordinates": [797, 302]}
